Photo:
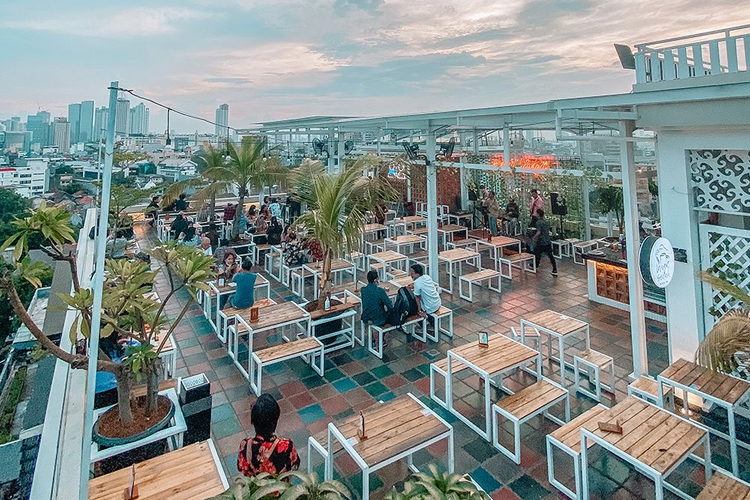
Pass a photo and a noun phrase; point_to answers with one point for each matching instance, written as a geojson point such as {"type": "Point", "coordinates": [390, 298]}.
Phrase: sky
{"type": "Point", "coordinates": [279, 59]}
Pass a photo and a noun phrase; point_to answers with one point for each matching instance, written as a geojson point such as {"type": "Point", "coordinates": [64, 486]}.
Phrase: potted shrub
{"type": "Point", "coordinates": [436, 485]}
{"type": "Point", "coordinates": [266, 487]}
{"type": "Point", "coordinates": [128, 311]}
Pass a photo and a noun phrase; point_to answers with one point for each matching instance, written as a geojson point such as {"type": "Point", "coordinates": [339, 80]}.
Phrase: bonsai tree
{"type": "Point", "coordinates": [610, 200]}
{"type": "Point", "coordinates": [336, 205]}
{"type": "Point", "coordinates": [128, 308]}
{"type": "Point", "coordinates": [731, 334]}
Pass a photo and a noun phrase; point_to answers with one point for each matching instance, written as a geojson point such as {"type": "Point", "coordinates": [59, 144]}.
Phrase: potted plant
{"type": "Point", "coordinates": [128, 311]}
{"type": "Point", "coordinates": [436, 485]}
{"type": "Point", "coordinates": [611, 201]}
{"type": "Point", "coordinates": [266, 487]}
{"type": "Point", "coordinates": [336, 208]}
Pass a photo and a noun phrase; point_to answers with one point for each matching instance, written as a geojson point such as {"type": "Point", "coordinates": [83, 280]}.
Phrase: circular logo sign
{"type": "Point", "coordinates": [657, 261]}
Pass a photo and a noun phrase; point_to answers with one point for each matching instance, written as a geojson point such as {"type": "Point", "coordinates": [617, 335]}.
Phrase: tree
{"type": "Point", "coordinates": [127, 309]}
{"type": "Point", "coordinates": [209, 159]}
{"type": "Point", "coordinates": [610, 200]}
{"type": "Point", "coordinates": [337, 204]}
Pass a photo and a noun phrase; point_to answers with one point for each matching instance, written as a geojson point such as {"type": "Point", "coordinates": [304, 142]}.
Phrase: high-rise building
{"type": "Point", "coordinates": [59, 134]}
{"type": "Point", "coordinates": [86, 125]}
{"type": "Point", "coordinates": [74, 118]}
{"type": "Point", "coordinates": [15, 124]}
{"type": "Point", "coordinates": [139, 120]}
{"type": "Point", "coordinates": [123, 117]}
{"type": "Point", "coordinates": [38, 125]}
{"type": "Point", "coordinates": [101, 118]}
{"type": "Point", "coordinates": [222, 120]}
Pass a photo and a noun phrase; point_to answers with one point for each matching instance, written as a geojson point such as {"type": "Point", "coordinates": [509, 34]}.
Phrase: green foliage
{"type": "Point", "coordinates": [9, 321]}
{"type": "Point", "coordinates": [309, 488]}
{"type": "Point", "coordinates": [140, 358]}
{"type": "Point", "coordinates": [12, 206]}
{"type": "Point", "coordinates": [15, 392]}
{"type": "Point", "coordinates": [260, 487]}
{"type": "Point", "coordinates": [611, 200]}
{"type": "Point", "coordinates": [52, 223]}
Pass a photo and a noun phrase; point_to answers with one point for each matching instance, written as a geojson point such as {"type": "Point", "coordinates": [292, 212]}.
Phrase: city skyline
{"type": "Point", "coordinates": [270, 61]}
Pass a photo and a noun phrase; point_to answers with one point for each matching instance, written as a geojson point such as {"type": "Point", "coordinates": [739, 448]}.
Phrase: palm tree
{"type": "Point", "coordinates": [730, 335]}
{"type": "Point", "coordinates": [610, 200]}
{"type": "Point", "coordinates": [337, 204]}
{"type": "Point", "coordinates": [208, 159]}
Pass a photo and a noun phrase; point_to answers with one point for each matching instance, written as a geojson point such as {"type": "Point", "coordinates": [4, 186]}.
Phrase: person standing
{"type": "Point", "coordinates": [275, 208]}
{"type": "Point", "coordinates": [543, 241]}
{"type": "Point", "coordinates": [152, 209]}
{"type": "Point", "coordinates": [493, 211]}
{"type": "Point", "coordinates": [537, 205]}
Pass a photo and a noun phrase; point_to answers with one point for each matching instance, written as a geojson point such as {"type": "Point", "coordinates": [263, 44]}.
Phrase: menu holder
{"type": "Point", "coordinates": [361, 432]}
{"type": "Point", "coordinates": [131, 492]}
{"type": "Point", "coordinates": [254, 312]}
{"type": "Point", "coordinates": [613, 427]}
{"type": "Point", "coordinates": [484, 340]}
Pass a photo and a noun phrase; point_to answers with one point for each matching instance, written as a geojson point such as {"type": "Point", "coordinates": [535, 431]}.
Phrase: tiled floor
{"type": "Point", "coordinates": [354, 379]}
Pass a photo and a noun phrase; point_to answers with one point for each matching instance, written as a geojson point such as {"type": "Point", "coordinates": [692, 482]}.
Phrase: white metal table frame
{"type": "Point", "coordinates": [347, 446]}
{"type": "Point", "coordinates": [458, 217]}
{"type": "Point", "coordinates": [444, 233]}
{"type": "Point", "coordinates": [174, 433]}
{"type": "Point", "coordinates": [221, 326]}
{"type": "Point", "coordinates": [274, 254]}
{"type": "Point", "coordinates": [561, 343]}
{"type": "Point", "coordinates": [233, 346]}
{"type": "Point", "coordinates": [497, 250]}
{"type": "Point", "coordinates": [399, 263]}
{"type": "Point", "coordinates": [583, 246]}
{"type": "Point", "coordinates": [730, 408]}
{"type": "Point", "coordinates": [217, 463]}
{"type": "Point", "coordinates": [487, 378]}
{"type": "Point", "coordinates": [348, 330]}
{"type": "Point", "coordinates": [398, 244]}
{"type": "Point", "coordinates": [563, 247]}
{"type": "Point", "coordinates": [476, 258]}
{"type": "Point", "coordinates": [351, 269]}
{"type": "Point", "coordinates": [657, 477]}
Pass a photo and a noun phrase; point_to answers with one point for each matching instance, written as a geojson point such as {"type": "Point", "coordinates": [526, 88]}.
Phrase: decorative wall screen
{"type": "Point", "coordinates": [726, 253]}
{"type": "Point", "coordinates": [721, 179]}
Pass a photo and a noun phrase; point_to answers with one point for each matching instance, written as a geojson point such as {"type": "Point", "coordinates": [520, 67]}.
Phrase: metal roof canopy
{"type": "Point", "coordinates": [592, 111]}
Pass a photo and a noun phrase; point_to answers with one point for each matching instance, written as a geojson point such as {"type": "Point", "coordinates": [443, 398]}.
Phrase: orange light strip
{"type": "Point", "coordinates": [526, 161]}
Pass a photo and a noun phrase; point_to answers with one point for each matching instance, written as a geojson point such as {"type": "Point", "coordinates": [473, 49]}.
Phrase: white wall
{"type": "Point", "coordinates": [679, 221]}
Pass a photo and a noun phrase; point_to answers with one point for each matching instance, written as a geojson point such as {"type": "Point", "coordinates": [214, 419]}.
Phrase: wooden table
{"type": "Point", "coordinates": [496, 244]}
{"type": "Point", "coordinates": [277, 316]}
{"type": "Point", "coordinates": [723, 390]}
{"type": "Point", "coordinates": [190, 473]}
{"type": "Point", "coordinates": [338, 267]}
{"type": "Point", "coordinates": [403, 281]}
{"type": "Point", "coordinates": [502, 354]}
{"type": "Point", "coordinates": [395, 430]}
{"type": "Point", "coordinates": [407, 240]}
{"type": "Point", "coordinates": [375, 229]}
{"type": "Point", "coordinates": [216, 293]}
{"type": "Point", "coordinates": [448, 230]}
{"type": "Point", "coordinates": [559, 326]}
{"type": "Point", "coordinates": [458, 217]}
{"type": "Point", "coordinates": [418, 231]}
{"type": "Point", "coordinates": [653, 440]}
{"type": "Point", "coordinates": [722, 487]}
{"type": "Point", "coordinates": [389, 259]}
{"type": "Point", "coordinates": [457, 257]}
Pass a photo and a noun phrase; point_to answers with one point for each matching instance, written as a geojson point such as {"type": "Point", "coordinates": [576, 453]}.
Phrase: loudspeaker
{"type": "Point", "coordinates": [195, 400]}
{"type": "Point", "coordinates": [472, 195]}
{"type": "Point", "coordinates": [559, 207]}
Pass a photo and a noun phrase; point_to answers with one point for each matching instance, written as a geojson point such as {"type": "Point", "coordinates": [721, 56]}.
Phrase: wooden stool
{"type": "Point", "coordinates": [646, 388]}
{"type": "Point", "coordinates": [597, 362]}
{"type": "Point", "coordinates": [477, 278]}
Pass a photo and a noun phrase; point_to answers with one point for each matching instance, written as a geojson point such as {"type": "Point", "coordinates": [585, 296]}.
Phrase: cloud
{"type": "Point", "coordinates": [229, 81]}
{"type": "Point", "coordinates": [99, 23]}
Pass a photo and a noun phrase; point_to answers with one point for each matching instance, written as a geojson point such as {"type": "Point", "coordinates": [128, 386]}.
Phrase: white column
{"type": "Point", "coordinates": [331, 160]}
{"type": "Point", "coordinates": [432, 234]}
{"type": "Point", "coordinates": [464, 187]}
{"type": "Point", "coordinates": [380, 138]}
{"type": "Point", "coordinates": [506, 145]}
{"type": "Point", "coordinates": [475, 142]}
{"type": "Point", "coordinates": [633, 244]}
{"type": "Point", "coordinates": [586, 189]}
{"type": "Point", "coordinates": [340, 153]}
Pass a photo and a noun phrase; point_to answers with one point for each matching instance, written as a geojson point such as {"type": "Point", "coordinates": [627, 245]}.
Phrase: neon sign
{"type": "Point", "coordinates": [526, 161]}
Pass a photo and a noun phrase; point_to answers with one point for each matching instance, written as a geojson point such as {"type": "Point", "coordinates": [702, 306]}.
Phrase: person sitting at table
{"type": "Point", "coordinates": [244, 294]}
{"type": "Point", "coordinates": [252, 212]}
{"type": "Point", "coordinates": [294, 255]}
{"type": "Point", "coordinates": [152, 209]}
{"type": "Point", "coordinates": [426, 292]}
{"type": "Point", "coordinates": [266, 452]}
{"type": "Point", "coordinates": [512, 213]}
{"type": "Point", "coordinates": [222, 250]}
{"type": "Point", "coordinates": [190, 237]}
{"type": "Point", "coordinates": [376, 305]}
{"type": "Point", "coordinates": [179, 225]}
{"type": "Point", "coordinates": [273, 232]}
{"type": "Point", "coordinates": [213, 235]}
{"type": "Point", "coordinates": [229, 267]}
{"type": "Point", "coordinates": [206, 246]}
{"type": "Point", "coordinates": [493, 211]}
{"type": "Point", "coordinates": [275, 208]}
{"type": "Point", "coordinates": [410, 209]}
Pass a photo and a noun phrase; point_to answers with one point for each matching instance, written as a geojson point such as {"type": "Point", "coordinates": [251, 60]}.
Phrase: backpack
{"type": "Point", "coordinates": [404, 306]}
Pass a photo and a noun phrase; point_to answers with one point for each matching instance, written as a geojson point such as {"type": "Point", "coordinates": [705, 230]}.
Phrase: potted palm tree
{"type": "Point", "coordinates": [129, 311]}
{"type": "Point", "coordinates": [336, 208]}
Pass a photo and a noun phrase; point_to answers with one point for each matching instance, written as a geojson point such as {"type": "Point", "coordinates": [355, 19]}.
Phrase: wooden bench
{"type": "Point", "coordinates": [523, 261]}
{"type": "Point", "coordinates": [374, 246]}
{"type": "Point", "coordinates": [410, 322]}
{"type": "Point", "coordinates": [440, 316]}
{"type": "Point", "coordinates": [524, 405]}
{"type": "Point", "coordinates": [723, 487]}
{"type": "Point", "coordinates": [464, 243]}
{"type": "Point", "coordinates": [594, 361]}
{"type": "Point", "coordinates": [647, 388]}
{"type": "Point", "coordinates": [568, 440]}
{"type": "Point", "coordinates": [441, 367]}
{"type": "Point", "coordinates": [392, 274]}
{"type": "Point", "coordinates": [302, 347]}
{"type": "Point", "coordinates": [358, 258]}
{"type": "Point", "coordinates": [478, 277]}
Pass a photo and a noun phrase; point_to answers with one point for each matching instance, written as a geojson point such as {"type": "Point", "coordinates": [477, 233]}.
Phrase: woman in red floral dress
{"type": "Point", "coordinates": [266, 452]}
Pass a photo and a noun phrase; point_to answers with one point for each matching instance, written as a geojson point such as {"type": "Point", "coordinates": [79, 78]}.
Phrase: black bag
{"type": "Point", "coordinates": [404, 307]}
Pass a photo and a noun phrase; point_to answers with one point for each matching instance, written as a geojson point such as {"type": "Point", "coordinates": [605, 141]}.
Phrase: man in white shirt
{"type": "Point", "coordinates": [426, 292]}
{"type": "Point", "coordinates": [206, 246]}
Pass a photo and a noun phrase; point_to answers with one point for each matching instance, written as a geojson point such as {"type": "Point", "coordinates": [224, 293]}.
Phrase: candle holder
{"type": "Point", "coordinates": [254, 313]}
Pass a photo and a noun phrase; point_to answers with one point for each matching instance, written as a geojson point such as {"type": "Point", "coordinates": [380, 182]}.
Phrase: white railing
{"type": "Point", "coordinates": [709, 53]}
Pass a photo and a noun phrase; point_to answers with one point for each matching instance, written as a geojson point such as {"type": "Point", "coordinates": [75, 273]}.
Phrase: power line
{"type": "Point", "coordinates": [171, 109]}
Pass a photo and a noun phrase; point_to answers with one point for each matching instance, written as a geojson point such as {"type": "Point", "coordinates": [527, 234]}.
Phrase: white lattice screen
{"type": "Point", "coordinates": [726, 253]}
{"type": "Point", "coordinates": [721, 179]}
